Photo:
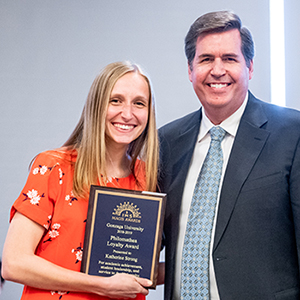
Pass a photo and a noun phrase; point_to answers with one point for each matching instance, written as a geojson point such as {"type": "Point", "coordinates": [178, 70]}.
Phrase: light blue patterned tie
{"type": "Point", "coordinates": [195, 255]}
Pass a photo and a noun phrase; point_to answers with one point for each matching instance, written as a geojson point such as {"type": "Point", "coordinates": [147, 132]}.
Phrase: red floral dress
{"type": "Point", "coordinates": [48, 200]}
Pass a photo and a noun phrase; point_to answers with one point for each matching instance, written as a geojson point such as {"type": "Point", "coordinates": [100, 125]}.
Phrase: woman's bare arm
{"type": "Point", "coordinates": [20, 264]}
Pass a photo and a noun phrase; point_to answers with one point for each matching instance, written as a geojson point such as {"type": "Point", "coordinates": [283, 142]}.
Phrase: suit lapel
{"type": "Point", "coordinates": [181, 153]}
{"type": "Point", "coordinates": [248, 144]}
{"type": "Point", "coordinates": [183, 146]}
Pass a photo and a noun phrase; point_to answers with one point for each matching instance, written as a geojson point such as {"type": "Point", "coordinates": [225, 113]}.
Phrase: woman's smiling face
{"type": "Point", "coordinates": [127, 113]}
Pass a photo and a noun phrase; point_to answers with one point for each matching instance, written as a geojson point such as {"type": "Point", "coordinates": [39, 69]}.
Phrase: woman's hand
{"type": "Point", "coordinates": [123, 286]}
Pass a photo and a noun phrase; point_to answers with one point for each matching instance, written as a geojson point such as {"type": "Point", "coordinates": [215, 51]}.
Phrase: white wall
{"type": "Point", "coordinates": [292, 48]}
{"type": "Point", "coordinates": [52, 50]}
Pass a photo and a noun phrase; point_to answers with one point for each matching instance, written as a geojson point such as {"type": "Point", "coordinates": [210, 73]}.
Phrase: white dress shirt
{"type": "Point", "coordinates": [201, 148]}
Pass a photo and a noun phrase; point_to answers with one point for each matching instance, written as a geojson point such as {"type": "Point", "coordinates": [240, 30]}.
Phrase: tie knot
{"type": "Point", "coordinates": [217, 133]}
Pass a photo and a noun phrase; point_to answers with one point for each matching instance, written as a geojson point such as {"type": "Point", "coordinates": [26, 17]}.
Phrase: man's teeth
{"type": "Point", "coordinates": [122, 126]}
{"type": "Point", "coordinates": [218, 85]}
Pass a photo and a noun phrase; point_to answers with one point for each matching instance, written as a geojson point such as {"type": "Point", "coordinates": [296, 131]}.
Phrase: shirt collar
{"type": "Point", "coordinates": [230, 125]}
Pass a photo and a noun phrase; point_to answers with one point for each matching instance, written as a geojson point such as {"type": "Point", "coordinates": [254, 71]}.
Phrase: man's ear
{"type": "Point", "coordinates": [190, 69]}
{"type": "Point", "coordinates": [251, 69]}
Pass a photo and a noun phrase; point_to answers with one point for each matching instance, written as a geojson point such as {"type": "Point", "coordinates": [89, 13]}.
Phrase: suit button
{"type": "Point", "coordinates": [219, 258]}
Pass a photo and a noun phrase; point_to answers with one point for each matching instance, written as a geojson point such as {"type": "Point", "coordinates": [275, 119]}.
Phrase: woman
{"type": "Point", "coordinates": [114, 144]}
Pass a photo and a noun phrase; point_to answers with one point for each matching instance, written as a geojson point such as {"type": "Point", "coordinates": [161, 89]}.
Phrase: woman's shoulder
{"type": "Point", "coordinates": [54, 157]}
{"type": "Point", "coordinates": [140, 163]}
{"type": "Point", "coordinates": [140, 167]}
{"type": "Point", "coordinates": [140, 173]}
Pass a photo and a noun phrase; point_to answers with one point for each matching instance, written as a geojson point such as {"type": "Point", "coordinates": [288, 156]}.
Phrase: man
{"type": "Point", "coordinates": [255, 239]}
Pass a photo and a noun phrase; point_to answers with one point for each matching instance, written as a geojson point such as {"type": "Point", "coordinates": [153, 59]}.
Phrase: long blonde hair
{"type": "Point", "coordinates": [88, 137]}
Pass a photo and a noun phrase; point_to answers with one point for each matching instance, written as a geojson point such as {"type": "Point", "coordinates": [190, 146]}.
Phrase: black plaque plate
{"type": "Point", "coordinates": [123, 232]}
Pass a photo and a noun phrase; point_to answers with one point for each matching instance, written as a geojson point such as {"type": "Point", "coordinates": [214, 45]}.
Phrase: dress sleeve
{"type": "Point", "coordinates": [37, 199]}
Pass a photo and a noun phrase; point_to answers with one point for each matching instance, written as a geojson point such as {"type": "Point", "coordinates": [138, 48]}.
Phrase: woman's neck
{"type": "Point", "coordinates": [117, 163]}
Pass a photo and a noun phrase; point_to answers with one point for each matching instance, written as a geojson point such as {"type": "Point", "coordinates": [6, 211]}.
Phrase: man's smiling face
{"type": "Point", "coordinates": [219, 74]}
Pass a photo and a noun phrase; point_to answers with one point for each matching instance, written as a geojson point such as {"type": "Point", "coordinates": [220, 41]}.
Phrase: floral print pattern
{"type": "Point", "coordinates": [48, 200]}
{"type": "Point", "coordinates": [78, 253]}
{"type": "Point", "coordinates": [33, 197]}
{"type": "Point", "coordinates": [61, 175]}
{"type": "Point", "coordinates": [61, 294]}
{"type": "Point", "coordinates": [53, 232]}
{"type": "Point", "coordinates": [70, 198]}
{"type": "Point", "coordinates": [41, 169]}
{"type": "Point", "coordinates": [47, 225]}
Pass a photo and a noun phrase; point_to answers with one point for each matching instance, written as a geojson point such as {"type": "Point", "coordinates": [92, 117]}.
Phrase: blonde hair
{"type": "Point", "coordinates": [88, 137]}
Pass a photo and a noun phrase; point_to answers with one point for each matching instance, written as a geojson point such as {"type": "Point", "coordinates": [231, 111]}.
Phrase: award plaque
{"type": "Point", "coordinates": [123, 232]}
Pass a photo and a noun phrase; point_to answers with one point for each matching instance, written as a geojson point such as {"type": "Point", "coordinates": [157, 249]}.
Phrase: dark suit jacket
{"type": "Point", "coordinates": [257, 241]}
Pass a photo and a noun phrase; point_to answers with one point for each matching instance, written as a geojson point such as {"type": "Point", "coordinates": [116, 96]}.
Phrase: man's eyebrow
{"type": "Point", "coordinates": [230, 55]}
{"type": "Point", "coordinates": [211, 56]}
{"type": "Point", "coordinates": [205, 55]}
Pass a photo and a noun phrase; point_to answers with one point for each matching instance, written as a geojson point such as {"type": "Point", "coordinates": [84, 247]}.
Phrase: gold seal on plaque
{"type": "Point", "coordinates": [127, 212]}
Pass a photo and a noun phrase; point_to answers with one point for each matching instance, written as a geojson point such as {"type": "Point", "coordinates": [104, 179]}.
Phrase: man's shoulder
{"type": "Point", "coordinates": [279, 113]}
{"type": "Point", "coordinates": [281, 122]}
